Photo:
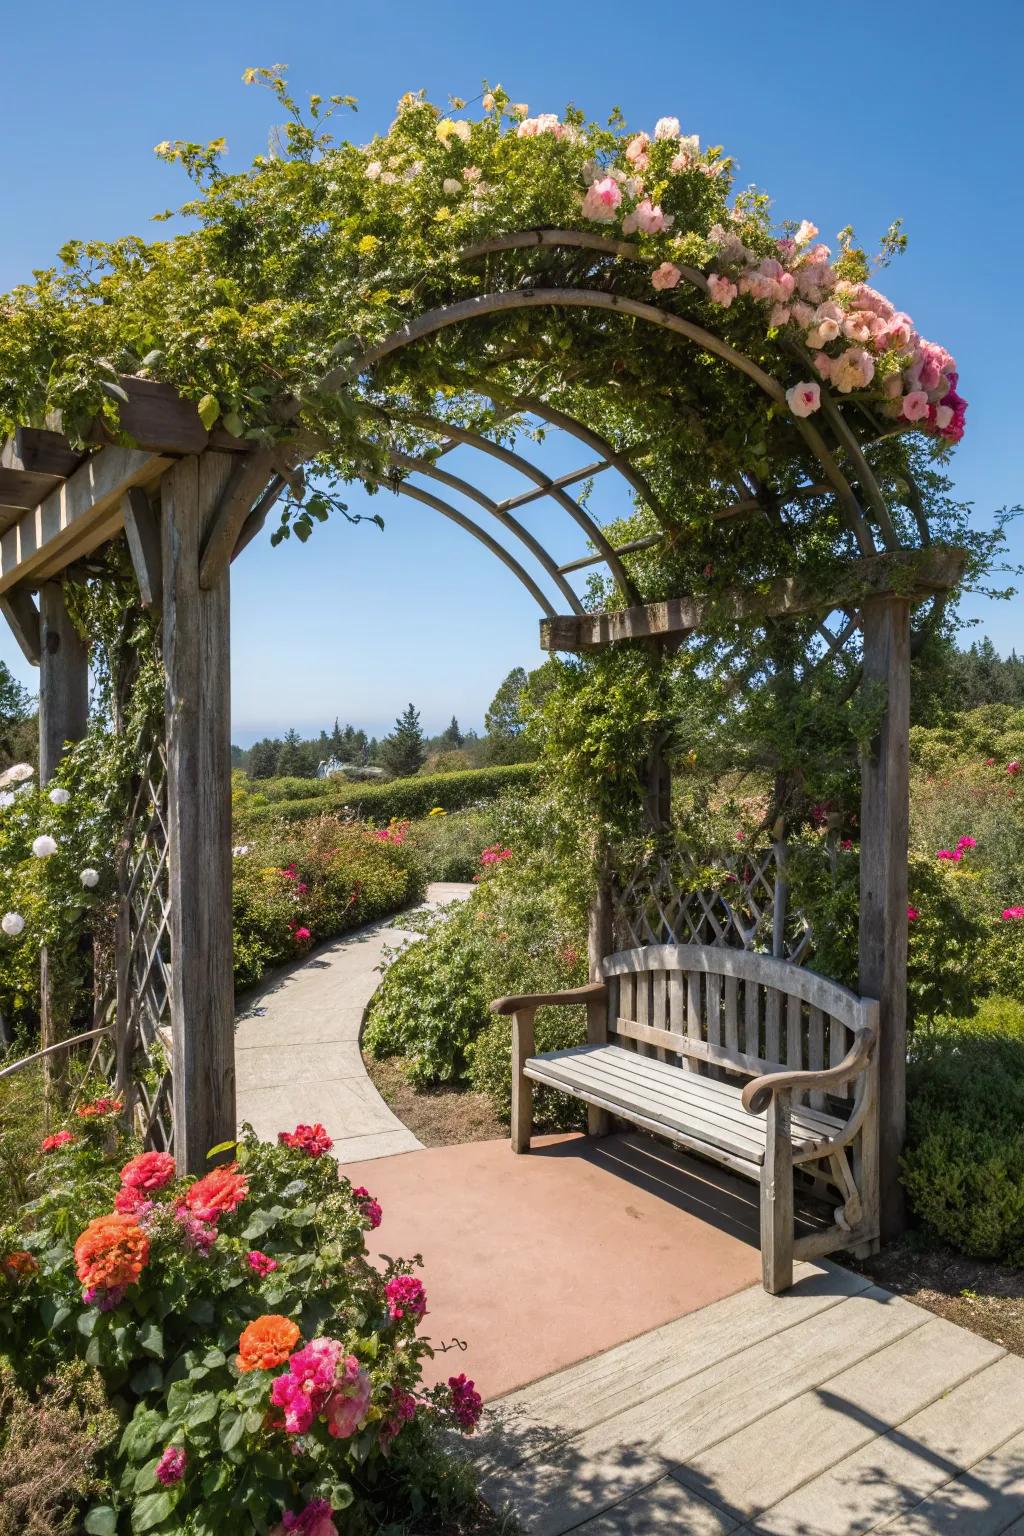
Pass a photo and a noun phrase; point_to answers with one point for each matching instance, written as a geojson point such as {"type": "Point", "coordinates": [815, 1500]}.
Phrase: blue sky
{"type": "Point", "coordinates": [844, 116]}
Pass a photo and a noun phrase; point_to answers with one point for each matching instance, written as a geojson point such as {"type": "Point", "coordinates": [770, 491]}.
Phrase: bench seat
{"type": "Point", "coordinates": [698, 1112]}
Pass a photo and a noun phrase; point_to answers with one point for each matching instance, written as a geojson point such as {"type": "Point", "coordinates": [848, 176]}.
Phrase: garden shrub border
{"type": "Point", "coordinates": [402, 798]}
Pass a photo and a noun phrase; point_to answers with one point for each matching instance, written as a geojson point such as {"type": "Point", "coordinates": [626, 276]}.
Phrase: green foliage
{"type": "Point", "coordinates": [402, 799]}
{"type": "Point", "coordinates": [964, 1162]}
{"type": "Point", "coordinates": [166, 1347]}
{"type": "Point", "coordinates": [523, 930]}
{"type": "Point", "coordinates": [403, 751]}
{"type": "Point", "coordinates": [15, 707]}
{"type": "Point", "coordinates": [299, 883]}
{"type": "Point", "coordinates": [52, 1441]}
{"type": "Point", "coordinates": [448, 846]}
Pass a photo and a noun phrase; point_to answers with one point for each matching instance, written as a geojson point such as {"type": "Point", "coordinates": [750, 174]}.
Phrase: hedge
{"type": "Point", "coordinates": [401, 798]}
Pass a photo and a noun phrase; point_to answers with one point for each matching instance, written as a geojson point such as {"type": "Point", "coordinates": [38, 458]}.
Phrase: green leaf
{"type": "Point", "coordinates": [151, 1339]}
{"type": "Point", "coordinates": [234, 424]}
{"type": "Point", "coordinates": [200, 1311]}
{"type": "Point", "coordinates": [152, 358]}
{"type": "Point", "coordinates": [178, 1399]}
{"type": "Point", "coordinates": [222, 1146]}
{"type": "Point", "coordinates": [262, 1220]}
{"type": "Point", "coordinates": [232, 1430]}
{"type": "Point", "coordinates": [213, 1358]}
{"type": "Point", "coordinates": [101, 1521]}
{"type": "Point", "coordinates": [148, 1378]}
{"type": "Point", "coordinates": [86, 1323]}
{"type": "Point", "coordinates": [145, 1478]}
{"type": "Point", "coordinates": [141, 1434]}
{"type": "Point", "coordinates": [201, 1410]}
{"type": "Point", "coordinates": [151, 1510]}
{"type": "Point", "coordinates": [209, 410]}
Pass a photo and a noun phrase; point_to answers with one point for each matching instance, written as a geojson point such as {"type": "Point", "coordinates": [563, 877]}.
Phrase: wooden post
{"type": "Point", "coordinates": [197, 662]}
{"type": "Point", "coordinates": [600, 924]}
{"type": "Point", "coordinates": [884, 833]}
{"type": "Point", "coordinates": [777, 1196]}
{"type": "Point", "coordinates": [522, 1087]}
{"type": "Point", "coordinates": [63, 681]}
{"type": "Point", "coordinates": [63, 717]}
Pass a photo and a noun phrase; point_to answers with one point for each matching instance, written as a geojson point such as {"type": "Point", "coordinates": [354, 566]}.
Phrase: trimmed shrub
{"type": "Point", "coordinates": [448, 847]}
{"type": "Point", "coordinates": [964, 1162]}
{"type": "Point", "coordinates": [401, 799]}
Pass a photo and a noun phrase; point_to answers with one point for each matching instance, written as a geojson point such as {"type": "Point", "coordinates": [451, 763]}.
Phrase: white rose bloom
{"type": "Point", "coordinates": [451, 186]}
{"type": "Point", "coordinates": [59, 796]}
{"type": "Point", "coordinates": [44, 846]}
{"type": "Point", "coordinates": [666, 128]}
{"type": "Point", "coordinates": [90, 878]}
{"type": "Point", "coordinates": [12, 924]}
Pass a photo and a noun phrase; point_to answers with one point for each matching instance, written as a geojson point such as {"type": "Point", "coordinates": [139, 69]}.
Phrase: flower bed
{"type": "Point", "coordinates": [265, 1374]}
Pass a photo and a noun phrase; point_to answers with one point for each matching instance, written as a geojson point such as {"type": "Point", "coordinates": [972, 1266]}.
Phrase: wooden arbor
{"type": "Point", "coordinates": [188, 501]}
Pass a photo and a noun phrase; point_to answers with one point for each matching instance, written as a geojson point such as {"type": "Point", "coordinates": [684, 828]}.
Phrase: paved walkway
{"type": "Point", "coordinates": [835, 1409]}
{"type": "Point", "coordinates": [297, 1044]}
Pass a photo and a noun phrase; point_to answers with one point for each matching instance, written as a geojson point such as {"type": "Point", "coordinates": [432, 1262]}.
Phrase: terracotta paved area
{"type": "Point", "coordinates": [536, 1262]}
{"type": "Point", "coordinates": [297, 1044]}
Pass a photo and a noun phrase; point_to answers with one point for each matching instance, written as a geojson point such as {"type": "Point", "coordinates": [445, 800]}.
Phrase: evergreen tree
{"type": "Point", "coordinates": [404, 750]}
{"type": "Point", "coordinates": [451, 736]}
{"type": "Point", "coordinates": [337, 742]}
{"type": "Point", "coordinates": [14, 710]}
{"type": "Point", "coordinates": [263, 757]}
{"type": "Point", "coordinates": [291, 762]}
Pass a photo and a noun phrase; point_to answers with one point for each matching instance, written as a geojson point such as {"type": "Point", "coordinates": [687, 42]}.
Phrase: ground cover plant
{"type": "Point", "coordinates": [262, 1374]}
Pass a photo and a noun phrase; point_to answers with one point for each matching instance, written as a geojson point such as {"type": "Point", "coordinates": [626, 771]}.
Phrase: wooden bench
{"type": "Point", "coordinates": [748, 1061]}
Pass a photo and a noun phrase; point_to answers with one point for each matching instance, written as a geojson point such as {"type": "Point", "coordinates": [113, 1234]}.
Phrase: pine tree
{"type": "Point", "coordinates": [404, 750]}
{"type": "Point", "coordinates": [337, 742]}
{"type": "Point", "coordinates": [263, 757]}
{"type": "Point", "coordinates": [451, 736]}
{"type": "Point", "coordinates": [291, 762]}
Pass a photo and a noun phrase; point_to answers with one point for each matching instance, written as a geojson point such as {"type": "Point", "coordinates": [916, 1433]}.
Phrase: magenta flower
{"type": "Point", "coordinates": [953, 854]}
{"type": "Point", "coordinates": [406, 1297]}
{"type": "Point", "coordinates": [170, 1469]}
{"type": "Point", "coordinates": [1011, 914]}
{"type": "Point", "coordinates": [369, 1207]}
{"type": "Point", "coordinates": [912, 914]}
{"type": "Point", "coordinates": [966, 842]}
{"type": "Point", "coordinates": [315, 1520]}
{"type": "Point", "coordinates": [467, 1404]}
{"type": "Point", "coordinates": [301, 935]}
{"type": "Point", "coordinates": [402, 1411]}
{"type": "Point", "coordinates": [1013, 769]}
{"type": "Point", "coordinates": [261, 1263]}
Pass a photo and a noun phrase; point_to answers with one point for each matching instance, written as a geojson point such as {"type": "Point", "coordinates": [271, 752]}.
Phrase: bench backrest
{"type": "Point", "coordinates": [729, 1010]}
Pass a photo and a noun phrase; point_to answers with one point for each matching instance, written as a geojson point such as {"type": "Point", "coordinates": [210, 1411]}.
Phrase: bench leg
{"type": "Point", "coordinates": [522, 1087]}
{"type": "Point", "coordinates": [599, 1121]}
{"type": "Point", "coordinates": [777, 1198]}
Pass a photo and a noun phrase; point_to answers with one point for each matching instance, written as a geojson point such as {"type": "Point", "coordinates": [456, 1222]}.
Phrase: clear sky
{"type": "Point", "coordinates": [844, 114]}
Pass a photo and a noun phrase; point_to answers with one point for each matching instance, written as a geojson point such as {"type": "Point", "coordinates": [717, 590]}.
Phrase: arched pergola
{"type": "Point", "coordinates": [189, 500]}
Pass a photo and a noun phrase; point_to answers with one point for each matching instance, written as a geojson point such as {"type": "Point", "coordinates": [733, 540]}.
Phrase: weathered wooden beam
{"type": "Point", "coordinates": [196, 651]}
{"type": "Point", "coordinates": [912, 573]}
{"type": "Point", "coordinates": [48, 453]}
{"type": "Point", "coordinates": [20, 487]}
{"type": "Point", "coordinates": [884, 836]}
{"type": "Point", "coordinates": [142, 532]}
{"type": "Point", "coordinates": [622, 549]}
{"type": "Point", "coordinates": [156, 417]}
{"type": "Point", "coordinates": [21, 613]}
{"type": "Point", "coordinates": [247, 481]}
{"type": "Point", "coordinates": [63, 680]}
{"type": "Point", "coordinates": [76, 517]}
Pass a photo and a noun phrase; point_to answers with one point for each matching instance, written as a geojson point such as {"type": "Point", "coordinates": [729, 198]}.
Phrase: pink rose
{"type": "Point", "coordinates": [779, 315]}
{"type": "Point", "coordinates": [636, 151]}
{"type": "Point", "coordinates": [647, 217]}
{"type": "Point", "coordinates": [852, 370]}
{"type": "Point", "coordinates": [665, 276]}
{"type": "Point", "coordinates": [915, 405]}
{"type": "Point", "coordinates": [806, 232]}
{"type": "Point", "coordinates": [602, 199]}
{"type": "Point", "coordinates": [721, 290]}
{"type": "Point", "coordinates": [804, 399]}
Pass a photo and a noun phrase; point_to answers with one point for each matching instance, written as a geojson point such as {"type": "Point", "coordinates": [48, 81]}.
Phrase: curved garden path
{"type": "Point", "coordinates": [297, 1043]}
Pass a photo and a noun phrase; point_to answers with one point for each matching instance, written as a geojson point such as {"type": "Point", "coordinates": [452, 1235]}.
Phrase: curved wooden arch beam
{"type": "Point", "coordinates": [447, 315]}
{"type": "Point", "coordinates": [573, 239]}
{"type": "Point", "coordinates": [584, 434]}
{"type": "Point", "coordinates": [466, 488]}
{"type": "Point", "coordinates": [539, 478]}
{"type": "Point", "coordinates": [404, 488]}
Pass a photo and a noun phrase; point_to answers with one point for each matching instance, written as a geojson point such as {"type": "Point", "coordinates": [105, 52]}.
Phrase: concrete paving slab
{"type": "Point", "coordinates": [665, 1507]}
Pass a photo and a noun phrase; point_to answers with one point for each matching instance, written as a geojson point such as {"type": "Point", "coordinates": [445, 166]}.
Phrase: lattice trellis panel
{"type": "Point", "coordinates": [144, 961]}
{"type": "Point", "coordinates": [741, 901]}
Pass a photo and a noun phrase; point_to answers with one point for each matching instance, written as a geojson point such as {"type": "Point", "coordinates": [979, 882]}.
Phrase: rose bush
{"type": "Point", "coordinates": [253, 1383]}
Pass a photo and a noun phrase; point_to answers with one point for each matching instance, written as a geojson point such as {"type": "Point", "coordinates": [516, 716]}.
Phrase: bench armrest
{"type": "Point", "coordinates": [758, 1092]}
{"type": "Point", "coordinates": [588, 994]}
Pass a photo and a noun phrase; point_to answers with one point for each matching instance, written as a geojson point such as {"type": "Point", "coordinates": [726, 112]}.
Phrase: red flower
{"type": "Point", "coordinates": [467, 1404]}
{"type": "Point", "coordinates": [912, 914]}
{"type": "Point", "coordinates": [311, 1139]}
{"type": "Point", "coordinates": [112, 1251]}
{"type": "Point", "coordinates": [217, 1193]}
{"type": "Point", "coordinates": [406, 1297]}
{"type": "Point", "coordinates": [18, 1265]}
{"type": "Point", "coordinates": [58, 1139]}
{"type": "Point", "coordinates": [99, 1107]}
{"type": "Point", "coordinates": [148, 1171]}
{"type": "Point", "coordinates": [369, 1207]}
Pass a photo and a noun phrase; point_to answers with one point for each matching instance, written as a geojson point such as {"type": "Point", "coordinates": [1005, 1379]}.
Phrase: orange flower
{"type": "Point", "coordinates": [18, 1265]}
{"type": "Point", "coordinates": [100, 1107]}
{"type": "Point", "coordinates": [218, 1192]}
{"type": "Point", "coordinates": [266, 1342]}
{"type": "Point", "coordinates": [112, 1251]}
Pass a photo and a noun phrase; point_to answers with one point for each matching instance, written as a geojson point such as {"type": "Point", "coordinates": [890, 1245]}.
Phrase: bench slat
{"type": "Point", "coordinates": [661, 1094]}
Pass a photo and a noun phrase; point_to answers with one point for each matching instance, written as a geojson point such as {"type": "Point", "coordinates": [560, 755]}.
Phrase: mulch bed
{"type": "Point", "coordinates": [440, 1117]}
{"type": "Point", "coordinates": [985, 1297]}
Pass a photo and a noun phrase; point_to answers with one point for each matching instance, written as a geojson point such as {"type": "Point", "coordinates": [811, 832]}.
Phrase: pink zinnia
{"type": "Point", "coordinates": [953, 854]}
{"type": "Point", "coordinates": [1010, 914]}
{"type": "Point", "coordinates": [406, 1297]}
{"type": "Point", "coordinates": [967, 842]}
{"type": "Point", "coordinates": [170, 1469]}
{"type": "Point", "coordinates": [311, 1139]}
{"type": "Point", "coordinates": [301, 935]}
{"type": "Point", "coordinates": [148, 1171]}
